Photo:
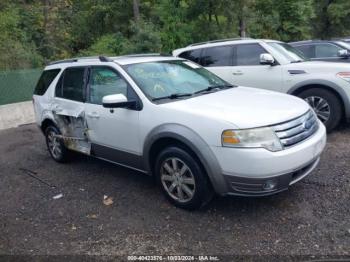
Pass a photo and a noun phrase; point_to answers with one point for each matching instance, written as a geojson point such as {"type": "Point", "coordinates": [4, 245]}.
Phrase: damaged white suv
{"type": "Point", "coordinates": [170, 118]}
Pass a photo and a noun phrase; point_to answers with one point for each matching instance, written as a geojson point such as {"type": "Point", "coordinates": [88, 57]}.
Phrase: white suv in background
{"type": "Point", "coordinates": [277, 66]}
{"type": "Point", "coordinates": [170, 118]}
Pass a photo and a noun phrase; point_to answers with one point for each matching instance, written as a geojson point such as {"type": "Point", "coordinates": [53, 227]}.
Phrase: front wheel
{"type": "Point", "coordinates": [182, 179]}
{"type": "Point", "coordinates": [326, 105]}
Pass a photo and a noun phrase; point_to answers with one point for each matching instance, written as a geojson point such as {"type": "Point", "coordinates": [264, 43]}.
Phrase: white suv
{"type": "Point", "coordinates": [173, 119]}
{"type": "Point", "coordinates": [277, 66]}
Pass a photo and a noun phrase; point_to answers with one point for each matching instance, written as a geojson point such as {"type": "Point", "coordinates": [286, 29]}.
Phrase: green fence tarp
{"type": "Point", "coordinates": [18, 85]}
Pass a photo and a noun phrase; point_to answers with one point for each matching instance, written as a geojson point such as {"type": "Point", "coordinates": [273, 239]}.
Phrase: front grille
{"type": "Point", "coordinates": [296, 130]}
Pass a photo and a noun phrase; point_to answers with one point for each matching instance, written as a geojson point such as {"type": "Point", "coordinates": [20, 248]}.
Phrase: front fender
{"type": "Point", "coordinates": [193, 140]}
{"type": "Point", "coordinates": [333, 86]}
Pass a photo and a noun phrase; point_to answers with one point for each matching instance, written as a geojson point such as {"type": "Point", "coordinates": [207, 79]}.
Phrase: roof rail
{"type": "Point", "coordinates": [145, 54]}
{"type": "Point", "coordinates": [221, 40]}
{"type": "Point", "coordinates": [77, 59]}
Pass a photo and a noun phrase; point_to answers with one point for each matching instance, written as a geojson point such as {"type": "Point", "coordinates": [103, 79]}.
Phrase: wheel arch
{"type": "Point", "coordinates": [327, 85]}
{"type": "Point", "coordinates": [45, 123]}
{"type": "Point", "coordinates": [185, 138]}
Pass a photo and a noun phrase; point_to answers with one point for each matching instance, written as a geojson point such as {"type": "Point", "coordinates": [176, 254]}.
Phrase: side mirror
{"type": "Point", "coordinates": [266, 59]}
{"type": "Point", "coordinates": [343, 53]}
{"type": "Point", "coordinates": [117, 101]}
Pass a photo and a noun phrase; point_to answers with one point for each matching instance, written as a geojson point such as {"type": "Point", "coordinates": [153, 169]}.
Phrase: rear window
{"type": "Point", "coordinates": [45, 80]}
{"type": "Point", "coordinates": [217, 56]}
{"type": "Point", "coordinates": [71, 85]}
{"type": "Point", "coordinates": [193, 55]}
{"type": "Point", "coordinates": [308, 50]}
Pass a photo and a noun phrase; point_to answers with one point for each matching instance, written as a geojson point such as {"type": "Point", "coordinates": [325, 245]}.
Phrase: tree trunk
{"type": "Point", "coordinates": [242, 19]}
{"type": "Point", "coordinates": [45, 42]}
{"type": "Point", "coordinates": [242, 27]}
{"type": "Point", "coordinates": [136, 9]}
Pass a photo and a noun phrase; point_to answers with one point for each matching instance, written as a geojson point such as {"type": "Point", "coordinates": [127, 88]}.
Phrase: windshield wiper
{"type": "Point", "coordinates": [211, 88]}
{"type": "Point", "coordinates": [172, 96]}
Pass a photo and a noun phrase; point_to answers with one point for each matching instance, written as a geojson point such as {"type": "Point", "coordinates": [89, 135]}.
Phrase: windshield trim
{"type": "Point", "coordinates": [276, 46]}
{"type": "Point", "coordinates": [344, 45]}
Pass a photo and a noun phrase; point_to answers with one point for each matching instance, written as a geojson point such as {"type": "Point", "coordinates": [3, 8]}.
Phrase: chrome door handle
{"type": "Point", "coordinates": [93, 115]}
{"type": "Point", "coordinates": [237, 73]}
{"type": "Point", "coordinates": [57, 109]}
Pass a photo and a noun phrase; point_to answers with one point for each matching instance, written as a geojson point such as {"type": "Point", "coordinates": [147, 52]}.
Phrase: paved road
{"type": "Point", "coordinates": [313, 217]}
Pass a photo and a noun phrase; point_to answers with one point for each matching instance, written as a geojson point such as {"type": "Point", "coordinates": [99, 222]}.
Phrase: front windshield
{"type": "Point", "coordinates": [290, 53]}
{"type": "Point", "coordinates": [165, 78]}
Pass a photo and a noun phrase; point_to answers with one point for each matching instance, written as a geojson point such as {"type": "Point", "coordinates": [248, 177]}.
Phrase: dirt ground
{"type": "Point", "coordinates": [312, 218]}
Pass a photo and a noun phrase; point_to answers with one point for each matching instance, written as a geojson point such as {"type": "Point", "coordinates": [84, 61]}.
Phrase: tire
{"type": "Point", "coordinates": [317, 97]}
{"type": "Point", "coordinates": [189, 178]}
{"type": "Point", "coordinates": [60, 153]}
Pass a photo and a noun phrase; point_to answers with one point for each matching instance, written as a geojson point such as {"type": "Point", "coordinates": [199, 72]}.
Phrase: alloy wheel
{"type": "Point", "coordinates": [54, 145]}
{"type": "Point", "coordinates": [320, 106]}
{"type": "Point", "coordinates": [177, 179]}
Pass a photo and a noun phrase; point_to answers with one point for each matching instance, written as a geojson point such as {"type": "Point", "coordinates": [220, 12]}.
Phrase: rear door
{"type": "Point", "coordinates": [70, 92]}
{"type": "Point", "coordinates": [219, 60]}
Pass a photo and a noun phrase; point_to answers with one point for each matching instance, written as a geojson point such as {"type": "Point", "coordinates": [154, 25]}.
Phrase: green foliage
{"type": "Point", "coordinates": [285, 20]}
{"type": "Point", "coordinates": [34, 32]}
{"type": "Point", "coordinates": [16, 51]}
{"type": "Point", "coordinates": [332, 18]}
{"type": "Point", "coordinates": [145, 38]}
{"type": "Point", "coordinates": [110, 44]}
{"type": "Point", "coordinates": [175, 30]}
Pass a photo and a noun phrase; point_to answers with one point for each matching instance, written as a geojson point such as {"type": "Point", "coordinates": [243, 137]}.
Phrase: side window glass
{"type": "Point", "coordinates": [217, 56]}
{"type": "Point", "coordinates": [45, 81]}
{"type": "Point", "coordinates": [73, 84]}
{"type": "Point", "coordinates": [249, 54]}
{"type": "Point", "coordinates": [105, 81]}
{"type": "Point", "coordinates": [326, 50]}
{"type": "Point", "coordinates": [308, 50]}
{"type": "Point", "coordinates": [193, 55]}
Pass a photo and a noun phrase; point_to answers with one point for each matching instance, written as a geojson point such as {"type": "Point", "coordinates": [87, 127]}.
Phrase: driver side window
{"type": "Point", "coordinates": [105, 81]}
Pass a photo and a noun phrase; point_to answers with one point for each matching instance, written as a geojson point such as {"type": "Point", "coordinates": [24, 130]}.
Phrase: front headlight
{"type": "Point", "coordinates": [263, 137]}
{"type": "Point", "coordinates": [344, 75]}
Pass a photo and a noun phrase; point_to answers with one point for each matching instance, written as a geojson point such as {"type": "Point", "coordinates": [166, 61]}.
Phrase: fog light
{"type": "Point", "coordinates": [270, 184]}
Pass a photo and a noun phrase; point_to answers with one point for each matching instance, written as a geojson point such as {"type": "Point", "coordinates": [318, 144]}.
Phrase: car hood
{"type": "Point", "coordinates": [243, 107]}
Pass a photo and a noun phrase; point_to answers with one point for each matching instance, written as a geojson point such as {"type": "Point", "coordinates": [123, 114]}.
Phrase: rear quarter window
{"type": "Point", "coordinates": [193, 55]}
{"type": "Point", "coordinates": [45, 80]}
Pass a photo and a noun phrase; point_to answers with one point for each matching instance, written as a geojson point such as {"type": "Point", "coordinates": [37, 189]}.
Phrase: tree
{"type": "Point", "coordinates": [136, 9]}
{"type": "Point", "coordinates": [16, 49]}
{"type": "Point", "coordinates": [332, 18]}
{"type": "Point", "coordinates": [284, 20]}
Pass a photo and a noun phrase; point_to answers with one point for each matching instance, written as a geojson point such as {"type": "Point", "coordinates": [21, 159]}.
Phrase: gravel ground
{"type": "Point", "coordinates": [312, 218]}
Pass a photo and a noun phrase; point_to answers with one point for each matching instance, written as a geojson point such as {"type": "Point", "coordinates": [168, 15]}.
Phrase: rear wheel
{"type": "Point", "coordinates": [55, 145]}
{"type": "Point", "coordinates": [326, 105]}
{"type": "Point", "coordinates": [182, 179]}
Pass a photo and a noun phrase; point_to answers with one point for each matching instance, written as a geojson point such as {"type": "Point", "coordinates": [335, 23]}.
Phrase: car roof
{"type": "Point", "coordinates": [313, 41]}
{"type": "Point", "coordinates": [125, 60]}
{"type": "Point", "coordinates": [223, 42]}
{"type": "Point", "coordinates": [121, 60]}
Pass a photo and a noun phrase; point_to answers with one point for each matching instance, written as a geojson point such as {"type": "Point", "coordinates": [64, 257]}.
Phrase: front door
{"type": "Point", "coordinates": [114, 133]}
{"type": "Point", "coordinates": [249, 72]}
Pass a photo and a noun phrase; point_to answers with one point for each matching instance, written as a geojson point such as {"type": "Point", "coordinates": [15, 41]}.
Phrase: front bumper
{"type": "Point", "coordinates": [259, 172]}
{"type": "Point", "coordinates": [262, 186]}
